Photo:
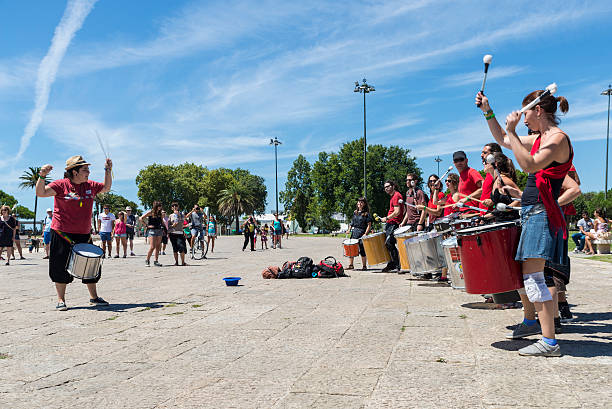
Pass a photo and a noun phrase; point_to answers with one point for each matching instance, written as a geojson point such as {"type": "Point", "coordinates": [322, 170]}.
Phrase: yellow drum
{"type": "Point", "coordinates": [401, 248]}
{"type": "Point", "coordinates": [376, 252]}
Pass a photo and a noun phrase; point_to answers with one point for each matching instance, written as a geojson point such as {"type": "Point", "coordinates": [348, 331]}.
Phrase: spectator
{"type": "Point", "coordinates": [47, 231]}
{"type": "Point", "coordinates": [584, 225]}
{"type": "Point", "coordinates": [120, 234]}
{"type": "Point", "coordinates": [106, 225]}
{"type": "Point", "coordinates": [177, 234]}
{"type": "Point", "coordinates": [164, 241]}
{"type": "Point", "coordinates": [264, 236]}
{"type": "Point", "coordinates": [18, 239]}
{"type": "Point", "coordinates": [600, 230]}
{"type": "Point", "coordinates": [154, 231]}
{"type": "Point", "coordinates": [212, 233]}
{"type": "Point", "coordinates": [249, 233]}
{"type": "Point", "coordinates": [197, 220]}
{"type": "Point", "coordinates": [130, 226]}
{"type": "Point", "coordinates": [278, 231]}
{"type": "Point", "coordinates": [8, 226]}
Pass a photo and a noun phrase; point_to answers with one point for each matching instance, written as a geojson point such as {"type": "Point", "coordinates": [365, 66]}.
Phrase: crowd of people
{"type": "Point", "coordinates": [252, 230]}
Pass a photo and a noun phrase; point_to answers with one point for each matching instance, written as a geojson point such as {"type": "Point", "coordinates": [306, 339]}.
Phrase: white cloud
{"type": "Point", "coordinates": [72, 20]}
{"type": "Point", "coordinates": [476, 76]}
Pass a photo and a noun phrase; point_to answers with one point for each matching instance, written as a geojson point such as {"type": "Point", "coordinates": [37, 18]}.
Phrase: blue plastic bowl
{"type": "Point", "coordinates": [231, 280]}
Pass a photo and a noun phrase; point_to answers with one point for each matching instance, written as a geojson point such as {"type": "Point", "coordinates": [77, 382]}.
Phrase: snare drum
{"type": "Point", "coordinates": [376, 252]}
{"type": "Point", "coordinates": [461, 224]}
{"type": "Point", "coordinates": [442, 225]}
{"type": "Point", "coordinates": [425, 253]}
{"type": "Point", "coordinates": [487, 256]}
{"type": "Point", "coordinates": [453, 261]}
{"type": "Point", "coordinates": [85, 261]}
{"type": "Point", "coordinates": [351, 247]}
{"type": "Point", "coordinates": [401, 248]}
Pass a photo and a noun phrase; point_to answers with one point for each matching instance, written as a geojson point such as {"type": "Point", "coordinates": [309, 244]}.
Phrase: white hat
{"type": "Point", "coordinates": [128, 208]}
{"type": "Point", "coordinates": [49, 210]}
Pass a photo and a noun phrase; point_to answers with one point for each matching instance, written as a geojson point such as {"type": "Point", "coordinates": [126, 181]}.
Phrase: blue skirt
{"type": "Point", "coordinates": [536, 239]}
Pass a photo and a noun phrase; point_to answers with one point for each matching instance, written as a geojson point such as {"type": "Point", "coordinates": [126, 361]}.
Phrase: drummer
{"type": "Point", "coordinates": [71, 224]}
{"type": "Point", "coordinates": [433, 210]}
{"type": "Point", "coordinates": [452, 184]}
{"type": "Point", "coordinates": [470, 180]}
{"type": "Point", "coordinates": [392, 221]}
{"type": "Point", "coordinates": [361, 224]}
{"type": "Point", "coordinates": [547, 156]}
{"type": "Point", "coordinates": [487, 185]}
{"type": "Point", "coordinates": [414, 197]}
{"type": "Point", "coordinates": [502, 185]}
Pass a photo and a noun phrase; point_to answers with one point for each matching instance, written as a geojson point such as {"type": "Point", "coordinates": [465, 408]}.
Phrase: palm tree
{"type": "Point", "coordinates": [29, 179]}
{"type": "Point", "coordinates": [236, 200]}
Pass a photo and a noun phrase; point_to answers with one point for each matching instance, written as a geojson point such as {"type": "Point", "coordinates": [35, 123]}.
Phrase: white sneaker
{"type": "Point", "coordinates": [540, 348]}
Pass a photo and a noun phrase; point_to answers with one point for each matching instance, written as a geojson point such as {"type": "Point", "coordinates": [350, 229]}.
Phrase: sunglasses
{"type": "Point", "coordinates": [458, 160]}
{"type": "Point", "coordinates": [387, 186]}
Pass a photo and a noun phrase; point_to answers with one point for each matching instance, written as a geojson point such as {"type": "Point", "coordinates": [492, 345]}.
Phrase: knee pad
{"type": "Point", "coordinates": [535, 287]}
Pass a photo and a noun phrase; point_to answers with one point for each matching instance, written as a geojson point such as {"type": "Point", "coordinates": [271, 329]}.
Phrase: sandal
{"type": "Point", "coordinates": [351, 267]}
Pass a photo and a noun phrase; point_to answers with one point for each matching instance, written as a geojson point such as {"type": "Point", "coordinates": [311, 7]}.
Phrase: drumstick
{"type": "Point", "coordinates": [104, 151]}
{"type": "Point", "coordinates": [471, 198]}
{"type": "Point", "coordinates": [463, 205]}
{"type": "Point", "coordinates": [486, 60]}
{"type": "Point", "coordinates": [502, 207]}
{"type": "Point", "coordinates": [446, 173]}
{"type": "Point", "coordinates": [550, 90]}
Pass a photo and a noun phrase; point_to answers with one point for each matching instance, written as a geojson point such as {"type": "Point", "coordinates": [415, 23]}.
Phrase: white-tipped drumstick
{"type": "Point", "coordinates": [446, 173]}
{"type": "Point", "coordinates": [104, 151]}
{"type": "Point", "coordinates": [487, 61]}
{"type": "Point", "coordinates": [550, 90]}
{"type": "Point", "coordinates": [502, 207]}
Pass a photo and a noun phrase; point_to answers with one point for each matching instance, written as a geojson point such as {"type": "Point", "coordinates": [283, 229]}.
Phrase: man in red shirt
{"type": "Point", "coordinates": [487, 185]}
{"type": "Point", "coordinates": [392, 221]}
{"type": "Point", "coordinates": [470, 180]}
{"type": "Point", "coordinates": [73, 201]}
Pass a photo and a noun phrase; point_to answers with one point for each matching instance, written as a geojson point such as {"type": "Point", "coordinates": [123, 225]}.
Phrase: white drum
{"type": "Point", "coordinates": [85, 261]}
{"type": "Point", "coordinates": [425, 253]}
{"type": "Point", "coordinates": [453, 262]}
{"type": "Point", "coordinates": [401, 230]}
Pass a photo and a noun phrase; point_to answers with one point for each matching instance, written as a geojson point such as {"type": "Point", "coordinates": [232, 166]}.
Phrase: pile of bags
{"type": "Point", "coordinates": [304, 267]}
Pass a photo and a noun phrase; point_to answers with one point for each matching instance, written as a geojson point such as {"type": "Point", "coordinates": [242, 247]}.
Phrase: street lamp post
{"type": "Point", "coordinates": [364, 88]}
{"type": "Point", "coordinates": [276, 142]}
{"type": "Point", "coordinates": [607, 92]}
{"type": "Point", "coordinates": [437, 159]}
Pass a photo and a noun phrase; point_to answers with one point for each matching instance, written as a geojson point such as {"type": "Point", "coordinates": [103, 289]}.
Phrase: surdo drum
{"type": "Point", "coordinates": [453, 261]}
{"type": "Point", "coordinates": [487, 256]}
{"type": "Point", "coordinates": [425, 253]}
{"type": "Point", "coordinates": [374, 246]}
{"type": "Point", "coordinates": [85, 261]}
{"type": "Point", "coordinates": [401, 248]}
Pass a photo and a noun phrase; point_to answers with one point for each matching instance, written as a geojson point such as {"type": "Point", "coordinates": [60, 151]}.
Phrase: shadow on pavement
{"type": "Point", "coordinates": [482, 306]}
{"type": "Point", "coordinates": [123, 307]}
{"type": "Point", "coordinates": [577, 348]}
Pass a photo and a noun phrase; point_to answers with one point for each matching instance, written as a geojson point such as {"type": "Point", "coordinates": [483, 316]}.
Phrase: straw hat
{"type": "Point", "coordinates": [74, 161]}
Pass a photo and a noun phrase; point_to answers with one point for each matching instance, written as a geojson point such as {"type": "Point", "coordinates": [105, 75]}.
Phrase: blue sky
{"type": "Point", "coordinates": [212, 82]}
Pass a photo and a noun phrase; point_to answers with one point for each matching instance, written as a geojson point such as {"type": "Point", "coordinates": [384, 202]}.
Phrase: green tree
{"type": "Point", "coordinates": [235, 200]}
{"type": "Point", "coordinates": [23, 212]}
{"type": "Point", "coordinates": [29, 178]}
{"type": "Point", "coordinates": [115, 202]}
{"type": "Point", "coordinates": [214, 182]}
{"type": "Point", "coordinates": [6, 199]}
{"type": "Point", "coordinates": [298, 191]}
{"type": "Point", "coordinates": [167, 183]}
{"type": "Point", "coordinates": [255, 185]}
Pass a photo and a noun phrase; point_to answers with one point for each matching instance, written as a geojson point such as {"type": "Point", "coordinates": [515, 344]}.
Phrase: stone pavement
{"type": "Point", "coordinates": [177, 337]}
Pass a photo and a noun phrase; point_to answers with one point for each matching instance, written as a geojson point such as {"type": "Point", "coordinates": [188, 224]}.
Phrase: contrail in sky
{"type": "Point", "coordinates": [72, 20]}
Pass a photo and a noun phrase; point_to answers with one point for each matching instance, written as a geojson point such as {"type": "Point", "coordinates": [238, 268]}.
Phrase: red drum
{"type": "Point", "coordinates": [351, 247]}
{"type": "Point", "coordinates": [487, 257]}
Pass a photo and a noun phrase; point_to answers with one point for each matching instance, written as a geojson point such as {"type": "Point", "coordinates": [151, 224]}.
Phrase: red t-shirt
{"type": "Point", "coordinates": [431, 205]}
{"type": "Point", "coordinates": [449, 201]}
{"type": "Point", "coordinates": [396, 201]}
{"type": "Point", "coordinates": [487, 188]}
{"type": "Point", "coordinates": [73, 204]}
{"type": "Point", "coordinates": [468, 180]}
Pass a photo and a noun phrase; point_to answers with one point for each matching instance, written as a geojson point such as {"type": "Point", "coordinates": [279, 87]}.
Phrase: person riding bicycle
{"type": "Point", "coordinates": [197, 220]}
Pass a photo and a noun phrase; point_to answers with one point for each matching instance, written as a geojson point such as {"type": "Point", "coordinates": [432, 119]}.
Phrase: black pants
{"type": "Point", "coordinates": [59, 253]}
{"type": "Point", "coordinates": [390, 244]}
{"type": "Point", "coordinates": [249, 236]}
{"type": "Point", "coordinates": [178, 243]}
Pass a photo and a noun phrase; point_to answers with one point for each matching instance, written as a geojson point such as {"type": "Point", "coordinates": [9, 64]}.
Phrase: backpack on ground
{"type": "Point", "coordinates": [302, 268]}
{"type": "Point", "coordinates": [329, 268]}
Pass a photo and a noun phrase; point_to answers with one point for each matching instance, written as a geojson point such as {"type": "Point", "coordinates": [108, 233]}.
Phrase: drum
{"type": "Point", "coordinates": [85, 261]}
{"type": "Point", "coordinates": [351, 247]}
{"type": "Point", "coordinates": [442, 225]}
{"type": "Point", "coordinates": [425, 253]}
{"type": "Point", "coordinates": [401, 248]}
{"type": "Point", "coordinates": [453, 262]}
{"type": "Point", "coordinates": [376, 252]}
{"type": "Point", "coordinates": [487, 256]}
{"type": "Point", "coordinates": [401, 230]}
{"type": "Point", "coordinates": [461, 224]}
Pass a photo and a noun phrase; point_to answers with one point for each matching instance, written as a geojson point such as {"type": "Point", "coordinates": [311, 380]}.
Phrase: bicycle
{"type": "Point", "coordinates": [200, 248]}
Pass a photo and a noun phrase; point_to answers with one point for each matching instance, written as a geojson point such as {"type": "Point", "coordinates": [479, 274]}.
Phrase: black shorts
{"type": "Point", "coordinates": [130, 234]}
{"type": "Point", "coordinates": [178, 243]}
{"type": "Point", "coordinates": [165, 239]}
{"type": "Point", "coordinates": [59, 253]}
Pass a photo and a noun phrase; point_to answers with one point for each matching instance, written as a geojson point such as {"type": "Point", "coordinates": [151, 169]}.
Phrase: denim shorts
{"type": "Point", "coordinates": [155, 232]}
{"type": "Point", "coordinates": [197, 231]}
{"type": "Point", "coordinates": [121, 235]}
{"type": "Point", "coordinates": [105, 236]}
{"type": "Point", "coordinates": [47, 237]}
{"type": "Point", "coordinates": [536, 239]}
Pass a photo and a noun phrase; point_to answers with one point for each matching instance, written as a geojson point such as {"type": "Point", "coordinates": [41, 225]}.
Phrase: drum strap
{"type": "Point", "coordinates": [65, 237]}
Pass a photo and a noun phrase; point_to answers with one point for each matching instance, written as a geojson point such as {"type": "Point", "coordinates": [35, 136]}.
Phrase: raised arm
{"type": "Point", "coordinates": [501, 137]}
{"type": "Point", "coordinates": [42, 190]}
{"type": "Point", "coordinates": [108, 176]}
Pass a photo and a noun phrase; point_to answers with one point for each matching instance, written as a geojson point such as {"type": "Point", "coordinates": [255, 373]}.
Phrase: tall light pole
{"type": "Point", "coordinates": [364, 88]}
{"type": "Point", "coordinates": [276, 142]}
{"type": "Point", "coordinates": [607, 92]}
{"type": "Point", "coordinates": [437, 159]}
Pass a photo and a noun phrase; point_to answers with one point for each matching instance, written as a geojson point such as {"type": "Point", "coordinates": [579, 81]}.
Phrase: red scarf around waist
{"type": "Point", "coordinates": [556, 220]}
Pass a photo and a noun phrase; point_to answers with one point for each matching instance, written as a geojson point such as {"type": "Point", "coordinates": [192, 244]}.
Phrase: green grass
{"type": "Point", "coordinates": [463, 316]}
{"type": "Point", "coordinates": [4, 356]}
{"type": "Point", "coordinates": [144, 309]}
{"type": "Point", "coordinates": [316, 235]}
{"type": "Point", "coordinates": [441, 360]}
{"type": "Point", "coordinates": [176, 313]}
{"type": "Point", "coordinates": [114, 317]}
{"type": "Point", "coordinates": [196, 305]}
{"type": "Point", "coordinates": [601, 257]}
{"type": "Point", "coordinates": [170, 305]}
{"type": "Point", "coordinates": [403, 328]}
